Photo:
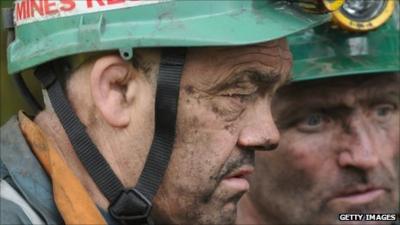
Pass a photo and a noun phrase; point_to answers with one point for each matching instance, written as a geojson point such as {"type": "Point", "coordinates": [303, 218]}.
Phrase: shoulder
{"type": "Point", "coordinates": [14, 209]}
{"type": "Point", "coordinates": [11, 213]}
{"type": "Point", "coordinates": [20, 168]}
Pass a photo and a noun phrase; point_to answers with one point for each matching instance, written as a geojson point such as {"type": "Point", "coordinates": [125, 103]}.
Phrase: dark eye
{"type": "Point", "coordinates": [383, 111]}
{"type": "Point", "coordinates": [313, 122]}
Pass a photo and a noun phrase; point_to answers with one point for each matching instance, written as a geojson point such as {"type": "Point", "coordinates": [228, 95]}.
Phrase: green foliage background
{"type": "Point", "coordinates": [10, 99]}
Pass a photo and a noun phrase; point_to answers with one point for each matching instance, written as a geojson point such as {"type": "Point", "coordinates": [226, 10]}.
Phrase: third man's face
{"type": "Point", "coordinates": [339, 151]}
{"type": "Point", "coordinates": [223, 117]}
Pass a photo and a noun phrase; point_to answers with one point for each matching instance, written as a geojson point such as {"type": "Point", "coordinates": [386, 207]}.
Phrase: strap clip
{"type": "Point", "coordinates": [131, 207]}
{"type": "Point", "coordinates": [46, 75]}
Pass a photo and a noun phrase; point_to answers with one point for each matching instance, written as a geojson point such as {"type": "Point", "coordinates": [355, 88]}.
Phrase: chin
{"type": "Point", "coordinates": [228, 213]}
{"type": "Point", "coordinates": [220, 219]}
{"type": "Point", "coordinates": [224, 215]}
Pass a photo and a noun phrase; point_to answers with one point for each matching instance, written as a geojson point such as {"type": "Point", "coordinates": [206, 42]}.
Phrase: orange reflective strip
{"type": "Point", "coordinates": [71, 198]}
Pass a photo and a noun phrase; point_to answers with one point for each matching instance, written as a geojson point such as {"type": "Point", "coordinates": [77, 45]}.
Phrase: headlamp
{"type": "Point", "coordinates": [363, 15]}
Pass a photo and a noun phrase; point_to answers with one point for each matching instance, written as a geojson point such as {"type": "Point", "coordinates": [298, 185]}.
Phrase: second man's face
{"type": "Point", "coordinates": [339, 151]}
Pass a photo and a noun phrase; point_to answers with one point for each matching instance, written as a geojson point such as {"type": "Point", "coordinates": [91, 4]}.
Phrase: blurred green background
{"type": "Point", "coordinates": [10, 99]}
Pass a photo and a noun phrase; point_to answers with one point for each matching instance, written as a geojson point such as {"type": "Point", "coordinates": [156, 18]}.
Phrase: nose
{"type": "Point", "coordinates": [260, 132]}
{"type": "Point", "coordinates": [359, 145]}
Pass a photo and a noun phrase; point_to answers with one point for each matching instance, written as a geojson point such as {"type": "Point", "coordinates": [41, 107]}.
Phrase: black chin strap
{"type": "Point", "coordinates": [127, 206]}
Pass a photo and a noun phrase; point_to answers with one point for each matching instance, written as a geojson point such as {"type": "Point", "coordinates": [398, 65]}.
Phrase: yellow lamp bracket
{"type": "Point", "coordinates": [319, 6]}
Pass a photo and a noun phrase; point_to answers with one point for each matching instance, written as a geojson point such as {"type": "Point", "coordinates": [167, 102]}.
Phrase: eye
{"type": "Point", "coordinates": [383, 111]}
{"type": "Point", "coordinates": [240, 96]}
{"type": "Point", "coordinates": [312, 122]}
{"type": "Point", "coordinates": [234, 95]}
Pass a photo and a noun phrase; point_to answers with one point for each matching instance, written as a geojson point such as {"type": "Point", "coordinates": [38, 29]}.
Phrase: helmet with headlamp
{"type": "Point", "coordinates": [329, 50]}
{"type": "Point", "coordinates": [363, 15]}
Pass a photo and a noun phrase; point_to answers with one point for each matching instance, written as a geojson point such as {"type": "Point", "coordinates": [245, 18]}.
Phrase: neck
{"type": "Point", "coordinates": [247, 212]}
{"type": "Point", "coordinates": [50, 124]}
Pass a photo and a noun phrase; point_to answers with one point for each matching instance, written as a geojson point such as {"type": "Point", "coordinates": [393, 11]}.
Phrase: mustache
{"type": "Point", "coordinates": [352, 177]}
{"type": "Point", "coordinates": [244, 158]}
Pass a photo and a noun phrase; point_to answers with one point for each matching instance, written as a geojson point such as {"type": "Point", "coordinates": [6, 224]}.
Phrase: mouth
{"type": "Point", "coordinates": [239, 178]}
{"type": "Point", "coordinates": [359, 195]}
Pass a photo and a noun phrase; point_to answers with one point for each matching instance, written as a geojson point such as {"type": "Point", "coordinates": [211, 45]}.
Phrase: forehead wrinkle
{"type": "Point", "coordinates": [275, 65]}
{"type": "Point", "coordinates": [252, 75]}
{"type": "Point", "coordinates": [272, 52]}
{"type": "Point", "coordinates": [269, 60]}
{"type": "Point", "coordinates": [221, 65]}
{"type": "Point", "coordinates": [282, 60]}
{"type": "Point", "coordinates": [233, 73]}
{"type": "Point", "coordinates": [260, 66]}
{"type": "Point", "coordinates": [261, 56]}
{"type": "Point", "coordinates": [255, 54]}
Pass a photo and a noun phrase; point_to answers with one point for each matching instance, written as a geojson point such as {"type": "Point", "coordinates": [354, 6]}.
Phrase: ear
{"type": "Point", "coordinates": [111, 80]}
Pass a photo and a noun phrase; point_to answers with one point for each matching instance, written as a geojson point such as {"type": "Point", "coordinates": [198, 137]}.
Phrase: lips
{"type": "Point", "coordinates": [359, 195]}
{"type": "Point", "coordinates": [357, 190]}
{"type": "Point", "coordinates": [238, 178]}
{"type": "Point", "coordinates": [241, 172]}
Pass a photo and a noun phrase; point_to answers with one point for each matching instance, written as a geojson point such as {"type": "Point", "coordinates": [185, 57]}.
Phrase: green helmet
{"type": "Point", "coordinates": [326, 51]}
{"type": "Point", "coordinates": [45, 32]}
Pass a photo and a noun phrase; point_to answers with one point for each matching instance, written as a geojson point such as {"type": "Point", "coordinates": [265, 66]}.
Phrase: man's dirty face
{"type": "Point", "coordinates": [339, 151]}
{"type": "Point", "coordinates": [223, 117]}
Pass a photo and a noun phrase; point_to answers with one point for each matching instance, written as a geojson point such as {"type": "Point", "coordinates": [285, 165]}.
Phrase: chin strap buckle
{"type": "Point", "coordinates": [131, 207]}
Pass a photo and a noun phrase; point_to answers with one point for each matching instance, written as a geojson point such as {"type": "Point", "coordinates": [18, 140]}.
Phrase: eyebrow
{"type": "Point", "coordinates": [295, 111]}
{"type": "Point", "coordinates": [302, 105]}
{"type": "Point", "coordinates": [259, 78]}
